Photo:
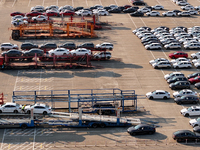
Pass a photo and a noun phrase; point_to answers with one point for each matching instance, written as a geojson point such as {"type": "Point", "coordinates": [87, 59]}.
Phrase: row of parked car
{"type": "Point", "coordinates": [169, 39]}
{"type": "Point", "coordinates": [67, 45]}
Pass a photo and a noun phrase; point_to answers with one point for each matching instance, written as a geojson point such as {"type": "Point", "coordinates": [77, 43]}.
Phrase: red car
{"type": "Point", "coordinates": [127, 6]}
{"type": "Point", "coordinates": [51, 13]}
{"type": "Point", "coordinates": [17, 13]}
{"type": "Point", "coordinates": [67, 13]}
{"type": "Point", "coordinates": [34, 13]}
{"type": "Point", "coordinates": [194, 80]}
{"type": "Point", "coordinates": [178, 54]}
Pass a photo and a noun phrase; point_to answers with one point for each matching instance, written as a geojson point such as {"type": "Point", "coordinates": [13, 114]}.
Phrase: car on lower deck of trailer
{"type": "Point", "coordinates": [103, 55]}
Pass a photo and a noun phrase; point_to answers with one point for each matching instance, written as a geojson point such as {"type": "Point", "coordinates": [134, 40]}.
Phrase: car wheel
{"type": "Point", "coordinates": [64, 54]}
{"type": "Point", "coordinates": [195, 57]}
{"type": "Point", "coordinates": [132, 133]}
{"type": "Point", "coordinates": [94, 125]}
{"type": "Point", "coordinates": [108, 57]}
{"type": "Point", "coordinates": [195, 125]}
{"type": "Point", "coordinates": [173, 15]}
{"type": "Point", "coordinates": [2, 48]}
{"type": "Point", "coordinates": [44, 113]}
{"type": "Point", "coordinates": [151, 132]}
{"type": "Point", "coordinates": [104, 14]}
{"type": "Point", "coordinates": [102, 125]}
{"type": "Point", "coordinates": [110, 48]}
{"type": "Point", "coordinates": [156, 67]}
{"type": "Point", "coordinates": [177, 67]}
{"type": "Point", "coordinates": [157, 15]}
{"type": "Point", "coordinates": [44, 20]}
{"type": "Point", "coordinates": [173, 57]}
{"type": "Point", "coordinates": [187, 115]}
{"type": "Point", "coordinates": [168, 67]}
{"type": "Point", "coordinates": [165, 97]}
{"type": "Point", "coordinates": [0, 111]}
{"type": "Point", "coordinates": [28, 112]}
{"type": "Point", "coordinates": [194, 102]}
{"type": "Point", "coordinates": [15, 111]}
{"type": "Point", "coordinates": [52, 54]}
{"type": "Point", "coordinates": [178, 103]}
{"type": "Point", "coordinates": [151, 97]}
{"type": "Point", "coordinates": [23, 126]}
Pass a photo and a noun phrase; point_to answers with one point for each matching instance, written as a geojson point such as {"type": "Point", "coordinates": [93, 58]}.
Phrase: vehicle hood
{"type": "Point", "coordinates": [166, 76]}
{"type": "Point", "coordinates": [184, 110]}
{"type": "Point", "coordinates": [175, 94]}
{"type": "Point", "coordinates": [191, 79]}
{"type": "Point", "coordinates": [98, 45]}
{"type": "Point", "coordinates": [192, 121]}
{"type": "Point", "coordinates": [149, 93]}
{"type": "Point", "coordinates": [171, 85]}
{"type": "Point", "coordinates": [193, 54]}
{"type": "Point", "coordinates": [177, 99]}
{"type": "Point", "coordinates": [28, 107]}
{"type": "Point", "coordinates": [131, 129]}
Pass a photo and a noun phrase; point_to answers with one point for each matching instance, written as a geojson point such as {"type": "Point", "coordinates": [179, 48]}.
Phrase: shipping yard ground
{"type": "Point", "coordinates": [128, 69]}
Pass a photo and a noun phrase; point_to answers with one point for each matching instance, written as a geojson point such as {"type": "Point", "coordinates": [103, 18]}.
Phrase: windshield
{"type": "Point", "coordinates": [189, 109]}
{"type": "Point", "coordinates": [137, 127]}
{"type": "Point", "coordinates": [198, 119]}
{"type": "Point", "coordinates": [196, 77]}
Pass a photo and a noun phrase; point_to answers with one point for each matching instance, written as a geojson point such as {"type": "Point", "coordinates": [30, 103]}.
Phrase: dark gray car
{"type": "Point", "coordinates": [187, 99]}
{"type": "Point", "coordinates": [180, 85]}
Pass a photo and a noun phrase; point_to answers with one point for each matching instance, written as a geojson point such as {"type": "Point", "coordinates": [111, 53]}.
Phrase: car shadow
{"type": "Point", "coordinates": [155, 136]}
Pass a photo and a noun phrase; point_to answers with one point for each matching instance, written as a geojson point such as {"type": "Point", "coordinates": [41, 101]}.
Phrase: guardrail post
{"type": "Point", "coordinates": [126, 142]}
{"type": "Point", "coordinates": [106, 144]}
{"type": "Point", "coordinates": [195, 141]}
{"type": "Point", "coordinates": [186, 141]}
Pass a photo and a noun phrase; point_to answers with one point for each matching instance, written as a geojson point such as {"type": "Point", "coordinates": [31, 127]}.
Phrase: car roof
{"type": "Point", "coordinates": [11, 104]}
{"type": "Point", "coordinates": [160, 91]}
{"type": "Point", "coordinates": [183, 131]}
{"type": "Point", "coordinates": [39, 104]}
{"type": "Point", "coordinates": [144, 125]}
{"type": "Point", "coordinates": [6, 43]}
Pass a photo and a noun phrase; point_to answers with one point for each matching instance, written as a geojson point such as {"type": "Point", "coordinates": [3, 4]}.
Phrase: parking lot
{"type": "Point", "coordinates": [128, 69]}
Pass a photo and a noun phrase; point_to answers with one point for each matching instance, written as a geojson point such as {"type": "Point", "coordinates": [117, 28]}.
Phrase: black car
{"type": "Point", "coordinates": [114, 10]}
{"type": "Point", "coordinates": [141, 129]}
{"type": "Point", "coordinates": [180, 85]}
{"type": "Point", "coordinates": [78, 8]}
{"type": "Point", "coordinates": [196, 129]}
{"type": "Point", "coordinates": [139, 3]}
{"type": "Point", "coordinates": [137, 13]}
{"type": "Point", "coordinates": [12, 53]}
{"type": "Point", "coordinates": [183, 135]}
{"type": "Point", "coordinates": [34, 51]}
{"type": "Point", "coordinates": [129, 10]}
{"type": "Point", "coordinates": [164, 28]}
{"type": "Point", "coordinates": [149, 7]}
{"type": "Point", "coordinates": [121, 8]}
{"type": "Point", "coordinates": [48, 46]}
{"type": "Point", "coordinates": [68, 45]}
{"type": "Point", "coordinates": [187, 99]}
{"type": "Point", "coordinates": [176, 11]}
{"type": "Point", "coordinates": [197, 85]}
{"type": "Point", "coordinates": [193, 75]}
{"type": "Point", "coordinates": [87, 45]}
{"type": "Point", "coordinates": [174, 79]}
{"type": "Point", "coordinates": [28, 45]}
{"type": "Point", "coordinates": [106, 105]}
{"type": "Point", "coordinates": [107, 8]}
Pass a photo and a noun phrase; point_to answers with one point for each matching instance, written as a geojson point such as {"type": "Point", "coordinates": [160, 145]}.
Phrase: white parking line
{"type": "Point", "coordinates": [100, 2]}
{"type": "Point", "coordinates": [86, 2]}
{"type": "Point", "coordinates": [43, 3]}
{"type": "Point", "coordinates": [57, 2]}
{"type": "Point", "coordinates": [14, 3]}
{"type": "Point", "coordinates": [29, 3]}
{"type": "Point", "coordinates": [16, 80]}
{"type": "Point", "coordinates": [72, 3]}
{"type": "Point", "coordinates": [3, 138]}
{"type": "Point", "coordinates": [132, 21]}
{"type": "Point", "coordinates": [158, 2]}
{"type": "Point", "coordinates": [143, 21]}
{"type": "Point", "coordinates": [116, 2]}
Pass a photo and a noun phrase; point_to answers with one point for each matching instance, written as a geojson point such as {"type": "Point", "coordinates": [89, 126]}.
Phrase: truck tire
{"type": "Point", "coordinates": [102, 125]}
{"type": "Point", "coordinates": [94, 125]}
{"type": "Point", "coordinates": [23, 126]}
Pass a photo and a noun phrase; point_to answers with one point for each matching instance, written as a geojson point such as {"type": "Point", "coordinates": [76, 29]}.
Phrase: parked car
{"type": "Point", "coordinates": [114, 10]}
{"type": "Point", "coordinates": [153, 46]}
{"type": "Point", "coordinates": [158, 94]}
{"type": "Point", "coordinates": [192, 46]}
{"type": "Point", "coordinates": [51, 13]}
{"type": "Point", "coordinates": [197, 64]}
{"type": "Point", "coordinates": [187, 7]}
{"type": "Point", "coordinates": [144, 10]}
{"type": "Point", "coordinates": [19, 17]}
{"type": "Point", "coordinates": [157, 60]}
{"type": "Point", "coordinates": [173, 46]}
{"type": "Point", "coordinates": [187, 99]}
{"type": "Point", "coordinates": [12, 53]}
{"type": "Point", "coordinates": [195, 55]}
{"type": "Point", "coordinates": [102, 13]}
{"type": "Point", "coordinates": [130, 10]}
{"type": "Point", "coordinates": [176, 11]}
{"type": "Point", "coordinates": [180, 85]}
{"type": "Point", "coordinates": [88, 45]}
{"type": "Point", "coordinates": [11, 108]}
{"type": "Point", "coordinates": [193, 75]}
{"type": "Point", "coordinates": [184, 92]}
{"type": "Point", "coordinates": [197, 85]}
{"type": "Point", "coordinates": [34, 51]}
{"type": "Point", "coordinates": [182, 64]}
{"type": "Point", "coordinates": [175, 79]}
{"type": "Point", "coordinates": [194, 80]}
{"type": "Point", "coordinates": [180, 59]}
{"type": "Point", "coordinates": [17, 13]}
{"type": "Point", "coordinates": [83, 13]}
{"type": "Point", "coordinates": [191, 111]}
{"type": "Point", "coordinates": [153, 13]}
{"type": "Point", "coordinates": [48, 46]}
{"type": "Point", "coordinates": [69, 13]}
{"type": "Point", "coordinates": [7, 46]}
{"type": "Point", "coordinates": [141, 129]}
{"type": "Point", "coordinates": [18, 22]}
{"type": "Point", "coordinates": [137, 14]}
{"type": "Point", "coordinates": [38, 109]}
{"type": "Point", "coordinates": [169, 13]}
{"type": "Point", "coordinates": [193, 12]}
{"type": "Point", "coordinates": [157, 7]}
{"type": "Point", "coordinates": [28, 46]}
{"type": "Point", "coordinates": [173, 74]}
{"type": "Point", "coordinates": [139, 3]}
{"type": "Point", "coordinates": [178, 54]}
{"type": "Point", "coordinates": [182, 3]}
{"type": "Point", "coordinates": [184, 13]}
{"type": "Point", "coordinates": [38, 8]}
{"type": "Point", "coordinates": [105, 45]}
{"type": "Point", "coordinates": [80, 51]}
{"type": "Point", "coordinates": [59, 51]}
{"type": "Point", "coordinates": [162, 64]}
{"type": "Point", "coordinates": [68, 45]}
{"type": "Point", "coordinates": [185, 135]}
{"type": "Point", "coordinates": [104, 55]}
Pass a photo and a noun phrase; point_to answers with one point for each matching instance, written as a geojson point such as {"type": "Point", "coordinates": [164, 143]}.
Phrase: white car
{"type": "Point", "coordinates": [153, 46]}
{"type": "Point", "coordinates": [83, 13]}
{"type": "Point", "coordinates": [197, 7]}
{"type": "Point", "coordinates": [144, 10]}
{"type": "Point", "coordinates": [38, 8]}
{"type": "Point", "coordinates": [80, 51]}
{"type": "Point", "coordinates": [173, 74]}
{"type": "Point", "coordinates": [191, 111]}
{"type": "Point", "coordinates": [19, 17]}
{"type": "Point", "coordinates": [192, 46]}
{"type": "Point", "coordinates": [180, 59]}
{"type": "Point", "coordinates": [7, 46]}
{"type": "Point", "coordinates": [11, 108]}
{"type": "Point", "coordinates": [105, 45]}
{"type": "Point", "coordinates": [158, 94]}
{"type": "Point", "coordinates": [197, 64]}
{"type": "Point", "coordinates": [162, 64]}
{"type": "Point", "coordinates": [173, 46]}
{"type": "Point", "coordinates": [157, 60]}
{"type": "Point", "coordinates": [187, 7]}
{"type": "Point", "coordinates": [104, 55]}
{"type": "Point", "coordinates": [144, 34]}
{"type": "Point", "coordinates": [184, 13]}
{"type": "Point", "coordinates": [195, 60]}
{"type": "Point", "coordinates": [195, 122]}
{"type": "Point", "coordinates": [102, 13]}
{"type": "Point", "coordinates": [17, 22]}
{"type": "Point", "coordinates": [157, 7]}
{"type": "Point", "coordinates": [40, 18]}
{"type": "Point", "coordinates": [153, 13]}
{"type": "Point", "coordinates": [59, 51]}
{"type": "Point", "coordinates": [184, 92]}
{"type": "Point", "coordinates": [169, 13]}
{"type": "Point", "coordinates": [193, 12]}
{"type": "Point", "coordinates": [38, 109]}
{"type": "Point", "coordinates": [195, 55]}
{"type": "Point", "coordinates": [182, 64]}
{"type": "Point", "coordinates": [182, 3]}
